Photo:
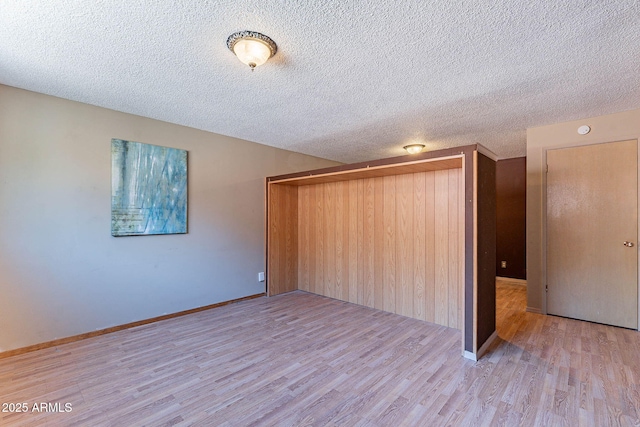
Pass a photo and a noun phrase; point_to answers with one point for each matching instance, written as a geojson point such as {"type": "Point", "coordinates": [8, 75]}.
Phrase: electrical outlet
{"type": "Point", "coordinates": [261, 276]}
{"type": "Point", "coordinates": [503, 264]}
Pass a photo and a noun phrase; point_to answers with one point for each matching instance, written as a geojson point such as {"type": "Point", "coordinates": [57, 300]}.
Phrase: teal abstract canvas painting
{"type": "Point", "coordinates": [148, 189]}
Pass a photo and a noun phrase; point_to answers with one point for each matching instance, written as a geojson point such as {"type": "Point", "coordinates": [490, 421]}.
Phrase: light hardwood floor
{"type": "Point", "coordinates": [300, 359]}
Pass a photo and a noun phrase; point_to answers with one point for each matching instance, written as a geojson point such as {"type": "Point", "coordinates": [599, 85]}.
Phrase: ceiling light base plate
{"type": "Point", "coordinates": [251, 48]}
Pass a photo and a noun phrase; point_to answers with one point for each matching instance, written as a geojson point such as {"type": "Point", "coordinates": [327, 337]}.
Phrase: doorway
{"type": "Point", "coordinates": [592, 233]}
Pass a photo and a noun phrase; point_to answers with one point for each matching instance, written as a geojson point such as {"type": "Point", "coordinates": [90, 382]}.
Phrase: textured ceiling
{"type": "Point", "coordinates": [352, 80]}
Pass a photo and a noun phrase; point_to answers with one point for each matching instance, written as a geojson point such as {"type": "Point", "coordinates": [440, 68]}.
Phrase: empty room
{"type": "Point", "coordinates": [320, 213]}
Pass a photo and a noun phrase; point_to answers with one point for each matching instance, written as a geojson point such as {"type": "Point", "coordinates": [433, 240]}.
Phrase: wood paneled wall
{"type": "Point", "coordinates": [413, 235]}
{"type": "Point", "coordinates": [395, 243]}
{"type": "Point", "coordinates": [283, 239]}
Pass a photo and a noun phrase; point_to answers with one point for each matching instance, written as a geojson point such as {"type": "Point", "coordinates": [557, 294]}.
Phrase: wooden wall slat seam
{"type": "Point", "coordinates": [370, 238]}
{"type": "Point", "coordinates": [386, 242]}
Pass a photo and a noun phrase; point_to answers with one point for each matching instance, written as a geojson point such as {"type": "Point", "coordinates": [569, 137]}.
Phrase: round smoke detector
{"type": "Point", "coordinates": [583, 130]}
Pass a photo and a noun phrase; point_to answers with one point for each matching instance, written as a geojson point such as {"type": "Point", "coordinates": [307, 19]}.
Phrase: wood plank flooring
{"type": "Point", "coordinates": [299, 359]}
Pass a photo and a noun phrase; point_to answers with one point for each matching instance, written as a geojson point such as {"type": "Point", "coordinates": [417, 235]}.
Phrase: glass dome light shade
{"type": "Point", "coordinates": [414, 148]}
{"type": "Point", "coordinates": [252, 52]}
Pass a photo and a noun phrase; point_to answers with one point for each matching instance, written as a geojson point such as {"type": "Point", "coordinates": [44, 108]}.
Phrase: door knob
{"type": "Point", "coordinates": [628, 244]}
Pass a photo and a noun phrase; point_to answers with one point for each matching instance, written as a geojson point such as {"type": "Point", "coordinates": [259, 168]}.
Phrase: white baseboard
{"type": "Point", "coordinates": [482, 350]}
{"type": "Point", "coordinates": [534, 310]}
{"type": "Point", "coordinates": [470, 356]}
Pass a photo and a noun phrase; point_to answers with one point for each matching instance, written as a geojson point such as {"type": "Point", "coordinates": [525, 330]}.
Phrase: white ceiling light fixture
{"type": "Point", "coordinates": [251, 48]}
{"type": "Point", "coordinates": [414, 148]}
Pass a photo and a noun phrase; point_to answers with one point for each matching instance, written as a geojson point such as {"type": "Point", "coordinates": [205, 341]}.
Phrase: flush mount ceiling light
{"type": "Point", "coordinates": [414, 148]}
{"type": "Point", "coordinates": [251, 48]}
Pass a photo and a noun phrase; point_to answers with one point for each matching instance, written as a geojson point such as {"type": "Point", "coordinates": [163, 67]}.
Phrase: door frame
{"type": "Point", "coordinates": [544, 206]}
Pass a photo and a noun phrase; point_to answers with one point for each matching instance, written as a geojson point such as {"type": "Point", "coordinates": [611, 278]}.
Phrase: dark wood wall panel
{"type": "Point", "coordinates": [511, 205]}
{"type": "Point", "coordinates": [486, 284]}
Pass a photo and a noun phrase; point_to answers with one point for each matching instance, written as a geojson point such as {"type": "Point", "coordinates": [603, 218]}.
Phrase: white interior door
{"type": "Point", "coordinates": [592, 229]}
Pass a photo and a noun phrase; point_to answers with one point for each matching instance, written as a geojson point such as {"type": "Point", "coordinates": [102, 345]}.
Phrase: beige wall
{"type": "Point", "coordinates": [613, 127]}
{"type": "Point", "coordinates": [61, 271]}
